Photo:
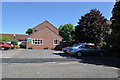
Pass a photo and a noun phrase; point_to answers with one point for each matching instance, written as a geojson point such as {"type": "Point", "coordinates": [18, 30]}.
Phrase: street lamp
{"type": "Point", "coordinates": [14, 36]}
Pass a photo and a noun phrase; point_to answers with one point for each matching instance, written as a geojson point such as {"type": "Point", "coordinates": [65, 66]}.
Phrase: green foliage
{"type": "Point", "coordinates": [17, 46]}
{"type": "Point", "coordinates": [66, 32]}
{"type": "Point", "coordinates": [14, 42]}
{"type": "Point", "coordinates": [101, 45]}
{"type": "Point", "coordinates": [29, 31]}
{"type": "Point", "coordinates": [113, 39]}
{"type": "Point", "coordinates": [91, 28]}
{"type": "Point", "coordinates": [115, 35]}
{"type": "Point", "coordinates": [5, 38]}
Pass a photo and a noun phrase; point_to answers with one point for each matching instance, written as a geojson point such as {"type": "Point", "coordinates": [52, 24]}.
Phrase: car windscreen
{"type": "Point", "coordinates": [7, 43]}
{"type": "Point", "coordinates": [75, 45]}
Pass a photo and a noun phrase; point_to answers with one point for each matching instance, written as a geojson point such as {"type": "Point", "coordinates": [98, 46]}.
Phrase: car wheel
{"type": "Point", "coordinates": [10, 48]}
{"type": "Point", "coordinates": [79, 54]}
{"type": "Point", "coordinates": [64, 51]}
{"type": "Point", "coordinates": [2, 48]}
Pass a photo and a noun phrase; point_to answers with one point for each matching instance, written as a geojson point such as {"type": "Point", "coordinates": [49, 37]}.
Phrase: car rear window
{"type": "Point", "coordinates": [7, 43]}
{"type": "Point", "coordinates": [75, 45]}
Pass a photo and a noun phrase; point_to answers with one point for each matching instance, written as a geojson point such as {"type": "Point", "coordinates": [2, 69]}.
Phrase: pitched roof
{"type": "Point", "coordinates": [53, 27]}
{"type": "Point", "coordinates": [54, 32]}
{"type": "Point", "coordinates": [17, 36]}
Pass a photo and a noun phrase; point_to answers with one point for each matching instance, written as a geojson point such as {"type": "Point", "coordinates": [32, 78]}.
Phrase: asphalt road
{"type": "Point", "coordinates": [55, 64]}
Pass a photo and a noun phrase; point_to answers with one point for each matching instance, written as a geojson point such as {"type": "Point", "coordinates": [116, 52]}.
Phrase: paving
{"type": "Point", "coordinates": [26, 53]}
{"type": "Point", "coordinates": [35, 56]}
{"type": "Point", "coordinates": [25, 63]}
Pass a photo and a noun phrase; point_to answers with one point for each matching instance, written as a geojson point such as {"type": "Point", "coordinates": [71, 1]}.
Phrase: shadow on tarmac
{"type": "Point", "coordinates": [96, 60]}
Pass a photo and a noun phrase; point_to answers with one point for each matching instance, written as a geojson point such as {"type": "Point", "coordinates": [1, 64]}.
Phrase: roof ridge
{"type": "Point", "coordinates": [47, 22]}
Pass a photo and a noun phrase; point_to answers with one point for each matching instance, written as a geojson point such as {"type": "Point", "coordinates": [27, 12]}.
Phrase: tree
{"type": "Point", "coordinates": [91, 28]}
{"type": "Point", "coordinates": [65, 31]}
{"type": "Point", "coordinates": [29, 31]}
{"type": "Point", "coordinates": [115, 35]}
{"type": "Point", "coordinates": [5, 38]}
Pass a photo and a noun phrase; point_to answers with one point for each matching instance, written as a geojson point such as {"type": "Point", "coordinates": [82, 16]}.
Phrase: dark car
{"type": "Point", "coordinates": [23, 45]}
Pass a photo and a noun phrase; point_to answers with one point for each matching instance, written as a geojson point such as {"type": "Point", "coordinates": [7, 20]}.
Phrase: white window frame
{"type": "Point", "coordinates": [57, 42]}
{"type": "Point", "coordinates": [39, 42]}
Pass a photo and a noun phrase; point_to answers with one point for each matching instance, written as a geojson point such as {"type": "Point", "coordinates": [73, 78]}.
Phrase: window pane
{"type": "Point", "coordinates": [41, 41]}
{"type": "Point", "coordinates": [56, 42]}
{"type": "Point", "coordinates": [35, 42]}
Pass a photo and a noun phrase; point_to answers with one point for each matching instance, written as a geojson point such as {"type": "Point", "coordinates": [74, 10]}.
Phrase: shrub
{"type": "Point", "coordinates": [102, 45]}
{"type": "Point", "coordinates": [5, 38]}
{"type": "Point", "coordinates": [14, 42]}
{"type": "Point", "coordinates": [17, 46]}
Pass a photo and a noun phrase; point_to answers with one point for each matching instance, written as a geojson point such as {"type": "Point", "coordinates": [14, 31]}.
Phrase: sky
{"type": "Point", "coordinates": [17, 17]}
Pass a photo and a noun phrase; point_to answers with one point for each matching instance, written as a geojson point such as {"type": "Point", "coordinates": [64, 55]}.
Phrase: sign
{"type": "Point", "coordinates": [29, 39]}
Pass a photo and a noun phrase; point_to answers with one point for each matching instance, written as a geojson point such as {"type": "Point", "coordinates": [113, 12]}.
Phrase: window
{"type": "Point", "coordinates": [75, 45]}
{"type": "Point", "coordinates": [7, 43]}
{"type": "Point", "coordinates": [35, 30]}
{"type": "Point", "coordinates": [37, 41]}
{"type": "Point", "coordinates": [56, 42]}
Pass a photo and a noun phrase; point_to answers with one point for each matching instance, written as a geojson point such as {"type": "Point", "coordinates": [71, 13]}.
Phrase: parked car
{"type": "Point", "coordinates": [75, 46]}
{"type": "Point", "coordinates": [12, 46]}
{"type": "Point", "coordinates": [5, 45]}
{"type": "Point", "coordinates": [85, 49]}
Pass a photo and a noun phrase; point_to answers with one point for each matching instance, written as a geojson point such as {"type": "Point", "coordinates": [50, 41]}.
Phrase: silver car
{"type": "Point", "coordinates": [84, 49]}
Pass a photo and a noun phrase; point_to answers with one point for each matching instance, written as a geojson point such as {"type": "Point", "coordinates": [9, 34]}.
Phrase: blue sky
{"type": "Point", "coordinates": [17, 17]}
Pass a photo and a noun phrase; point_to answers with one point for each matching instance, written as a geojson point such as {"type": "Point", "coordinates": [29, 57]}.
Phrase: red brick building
{"type": "Point", "coordinates": [44, 36]}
